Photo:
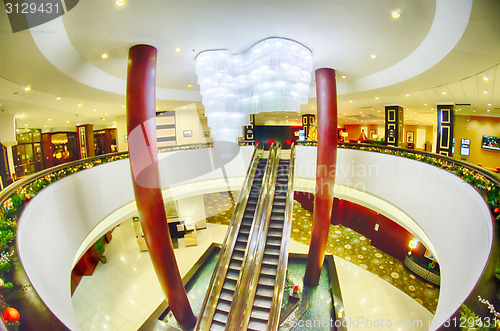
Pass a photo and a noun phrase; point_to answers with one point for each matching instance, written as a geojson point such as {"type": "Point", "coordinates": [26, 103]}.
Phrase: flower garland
{"type": "Point", "coordinates": [490, 306]}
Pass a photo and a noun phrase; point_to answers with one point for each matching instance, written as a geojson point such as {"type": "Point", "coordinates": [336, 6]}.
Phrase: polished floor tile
{"type": "Point", "coordinates": [124, 292]}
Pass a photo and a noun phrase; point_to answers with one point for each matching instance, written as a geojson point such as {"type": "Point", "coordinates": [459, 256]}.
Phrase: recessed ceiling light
{"type": "Point", "coordinates": [376, 98]}
{"type": "Point", "coordinates": [22, 115]}
{"type": "Point", "coordinates": [444, 92]}
{"type": "Point", "coordinates": [178, 50]}
{"type": "Point", "coordinates": [190, 85]}
{"type": "Point", "coordinates": [79, 105]}
{"type": "Point", "coordinates": [486, 78]}
{"type": "Point", "coordinates": [407, 95]}
{"type": "Point", "coordinates": [105, 113]}
{"type": "Point", "coordinates": [395, 14]}
{"type": "Point", "coordinates": [350, 100]}
{"type": "Point", "coordinates": [123, 106]}
{"type": "Point", "coordinates": [95, 109]}
{"type": "Point", "coordinates": [373, 56]}
{"type": "Point", "coordinates": [344, 76]}
{"type": "Point", "coordinates": [488, 110]}
{"type": "Point", "coordinates": [44, 126]}
{"type": "Point", "coordinates": [425, 104]}
{"type": "Point", "coordinates": [67, 121]}
{"type": "Point", "coordinates": [27, 88]}
{"type": "Point", "coordinates": [104, 56]}
{"type": "Point", "coordinates": [25, 124]}
{"type": "Point", "coordinates": [485, 92]}
{"type": "Point", "coordinates": [489, 104]}
{"type": "Point", "coordinates": [58, 98]}
{"type": "Point", "coordinates": [120, 3]}
{"type": "Point", "coordinates": [103, 119]}
{"type": "Point", "coordinates": [50, 119]}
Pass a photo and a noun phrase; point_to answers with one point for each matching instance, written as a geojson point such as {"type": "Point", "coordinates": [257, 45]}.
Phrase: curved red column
{"type": "Point", "coordinates": [326, 98]}
{"type": "Point", "coordinates": [141, 128]}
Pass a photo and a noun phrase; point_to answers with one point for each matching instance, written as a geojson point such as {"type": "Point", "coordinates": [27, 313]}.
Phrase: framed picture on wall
{"type": "Point", "coordinates": [188, 133]}
{"type": "Point", "coordinates": [409, 137]}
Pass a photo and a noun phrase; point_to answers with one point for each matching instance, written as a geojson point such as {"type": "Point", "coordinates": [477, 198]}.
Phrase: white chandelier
{"type": "Point", "coordinates": [272, 75]}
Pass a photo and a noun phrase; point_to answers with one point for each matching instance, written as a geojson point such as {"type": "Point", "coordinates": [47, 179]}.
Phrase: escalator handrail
{"type": "Point", "coordinates": [242, 286]}
{"type": "Point", "coordinates": [241, 309]}
{"type": "Point", "coordinates": [279, 285]}
{"type": "Point", "coordinates": [214, 288]}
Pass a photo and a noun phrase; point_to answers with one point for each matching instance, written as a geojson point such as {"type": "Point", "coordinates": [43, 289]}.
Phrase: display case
{"type": "Point", "coordinates": [27, 154]}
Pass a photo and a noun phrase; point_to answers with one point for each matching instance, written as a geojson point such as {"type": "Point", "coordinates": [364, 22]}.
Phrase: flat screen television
{"type": "Point", "coordinates": [492, 143]}
{"type": "Point", "coordinates": [465, 147]}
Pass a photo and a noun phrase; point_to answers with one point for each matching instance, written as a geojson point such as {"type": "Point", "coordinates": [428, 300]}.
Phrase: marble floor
{"type": "Point", "coordinates": [124, 292]}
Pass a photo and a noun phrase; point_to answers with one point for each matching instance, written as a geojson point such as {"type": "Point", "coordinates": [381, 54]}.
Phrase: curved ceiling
{"type": "Point", "coordinates": [416, 55]}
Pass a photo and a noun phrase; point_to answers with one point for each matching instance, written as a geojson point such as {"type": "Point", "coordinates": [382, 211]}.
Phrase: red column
{"type": "Point", "coordinates": [326, 98]}
{"type": "Point", "coordinates": [141, 128]}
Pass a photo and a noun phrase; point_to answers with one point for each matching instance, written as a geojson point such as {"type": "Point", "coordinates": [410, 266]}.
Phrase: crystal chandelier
{"type": "Point", "coordinates": [272, 75]}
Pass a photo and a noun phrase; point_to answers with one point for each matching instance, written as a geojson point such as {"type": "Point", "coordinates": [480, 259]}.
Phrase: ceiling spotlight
{"type": "Point", "coordinates": [407, 95]}
{"type": "Point", "coordinates": [123, 106]}
{"type": "Point", "coordinates": [105, 113]}
{"type": "Point", "coordinates": [395, 14]}
{"type": "Point", "coordinates": [489, 104]}
{"type": "Point", "coordinates": [190, 85]}
{"type": "Point", "coordinates": [103, 119]}
{"type": "Point", "coordinates": [444, 92]}
{"type": "Point", "coordinates": [350, 100]}
{"type": "Point", "coordinates": [50, 119]}
{"type": "Point", "coordinates": [79, 105]}
{"type": "Point", "coordinates": [376, 98]}
{"type": "Point", "coordinates": [104, 56]}
{"type": "Point", "coordinates": [120, 3]}
{"type": "Point", "coordinates": [58, 98]}
{"type": "Point", "coordinates": [425, 104]}
{"type": "Point", "coordinates": [178, 50]}
{"type": "Point", "coordinates": [373, 56]}
{"type": "Point", "coordinates": [25, 124]}
{"type": "Point", "coordinates": [27, 88]}
{"type": "Point", "coordinates": [488, 110]}
{"type": "Point", "coordinates": [485, 92]}
{"type": "Point", "coordinates": [95, 109]}
{"type": "Point", "coordinates": [344, 76]}
{"type": "Point", "coordinates": [22, 115]}
{"type": "Point", "coordinates": [485, 78]}
{"type": "Point", "coordinates": [67, 121]}
{"type": "Point", "coordinates": [44, 126]}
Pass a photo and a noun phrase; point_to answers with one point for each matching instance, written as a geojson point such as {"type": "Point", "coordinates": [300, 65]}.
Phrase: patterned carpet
{"type": "Point", "coordinates": [344, 243]}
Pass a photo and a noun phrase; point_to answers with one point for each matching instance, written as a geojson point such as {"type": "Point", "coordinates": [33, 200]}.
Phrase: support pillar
{"type": "Point", "coordinates": [141, 129]}
{"type": "Point", "coordinates": [326, 96]}
{"type": "Point", "coordinates": [85, 140]}
{"type": "Point", "coordinates": [445, 121]}
{"type": "Point", "coordinates": [394, 122]}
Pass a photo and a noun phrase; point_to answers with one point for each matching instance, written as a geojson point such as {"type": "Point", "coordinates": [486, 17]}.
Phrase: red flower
{"type": "Point", "coordinates": [11, 315]}
{"type": "Point", "coordinates": [497, 210]}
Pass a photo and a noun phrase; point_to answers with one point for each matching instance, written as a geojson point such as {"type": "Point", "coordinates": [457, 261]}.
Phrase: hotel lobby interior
{"type": "Point", "coordinates": [248, 121]}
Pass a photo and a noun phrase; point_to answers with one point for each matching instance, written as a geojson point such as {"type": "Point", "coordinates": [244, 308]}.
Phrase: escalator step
{"type": "Point", "coordinates": [265, 291]}
{"type": "Point", "coordinates": [270, 259]}
{"type": "Point", "coordinates": [276, 225]}
{"type": "Point", "coordinates": [232, 274]}
{"type": "Point", "coordinates": [217, 326]}
{"type": "Point", "coordinates": [240, 246]}
{"type": "Point", "coordinates": [274, 233]}
{"type": "Point", "coordinates": [257, 325]}
{"type": "Point", "coordinates": [266, 280]}
{"type": "Point", "coordinates": [273, 241]}
{"type": "Point", "coordinates": [271, 250]}
{"type": "Point", "coordinates": [279, 202]}
{"type": "Point", "coordinates": [229, 285]}
{"type": "Point", "coordinates": [235, 264]}
{"type": "Point", "coordinates": [279, 210]}
{"type": "Point", "coordinates": [262, 303]}
{"type": "Point", "coordinates": [245, 229]}
{"type": "Point", "coordinates": [223, 307]}
{"type": "Point", "coordinates": [220, 317]}
{"type": "Point", "coordinates": [270, 271]}
{"type": "Point", "coordinates": [226, 295]}
{"type": "Point", "coordinates": [260, 314]}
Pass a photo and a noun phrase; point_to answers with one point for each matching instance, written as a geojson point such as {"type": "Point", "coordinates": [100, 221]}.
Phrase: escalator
{"type": "Point", "coordinates": [246, 289]}
{"type": "Point", "coordinates": [233, 272]}
{"type": "Point", "coordinates": [266, 284]}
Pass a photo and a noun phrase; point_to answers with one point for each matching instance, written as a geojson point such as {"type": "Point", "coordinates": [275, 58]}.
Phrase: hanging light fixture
{"type": "Point", "coordinates": [272, 75]}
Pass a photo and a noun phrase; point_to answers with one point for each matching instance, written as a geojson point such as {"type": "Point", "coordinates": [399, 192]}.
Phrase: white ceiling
{"type": "Point", "coordinates": [435, 46]}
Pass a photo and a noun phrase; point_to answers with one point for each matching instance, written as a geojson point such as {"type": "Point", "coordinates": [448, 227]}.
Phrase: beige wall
{"type": "Point", "coordinates": [188, 119]}
{"type": "Point", "coordinates": [474, 128]}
